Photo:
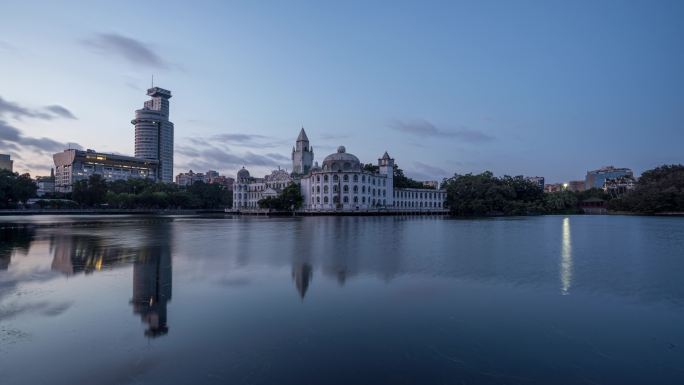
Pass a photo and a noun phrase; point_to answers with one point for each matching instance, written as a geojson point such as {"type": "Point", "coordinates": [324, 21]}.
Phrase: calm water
{"type": "Point", "coordinates": [342, 300]}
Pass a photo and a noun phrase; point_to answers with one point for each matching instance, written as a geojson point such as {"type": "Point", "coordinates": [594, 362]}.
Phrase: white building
{"type": "Point", "coordinates": [154, 133]}
{"type": "Point", "coordinates": [339, 184]}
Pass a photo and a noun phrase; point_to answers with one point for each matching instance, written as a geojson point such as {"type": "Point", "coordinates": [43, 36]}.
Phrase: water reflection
{"type": "Point", "coordinates": [85, 253]}
{"type": "Point", "coordinates": [566, 258]}
{"type": "Point", "coordinates": [301, 275]}
{"type": "Point", "coordinates": [13, 240]}
{"type": "Point", "coordinates": [152, 282]}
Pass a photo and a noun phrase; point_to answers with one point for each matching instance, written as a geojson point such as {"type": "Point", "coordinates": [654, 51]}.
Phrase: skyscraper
{"type": "Point", "coordinates": [154, 133]}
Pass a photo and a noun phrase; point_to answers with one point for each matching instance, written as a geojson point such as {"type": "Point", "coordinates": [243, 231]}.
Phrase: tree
{"type": "Point", "coordinates": [402, 181]}
{"type": "Point", "coordinates": [90, 192]}
{"type": "Point", "coordinates": [289, 199]}
{"type": "Point", "coordinates": [658, 190]}
{"type": "Point", "coordinates": [15, 188]}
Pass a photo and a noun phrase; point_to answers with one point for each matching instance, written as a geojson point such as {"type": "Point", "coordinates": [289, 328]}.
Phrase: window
{"type": "Point", "coordinates": [363, 200]}
{"type": "Point", "coordinates": [325, 178]}
{"type": "Point", "coordinates": [345, 188]}
{"type": "Point", "coordinates": [363, 178]}
{"type": "Point", "coordinates": [346, 178]}
{"type": "Point", "coordinates": [318, 189]}
{"type": "Point", "coordinates": [356, 189]}
{"type": "Point", "coordinates": [318, 178]}
{"type": "Point", "coordinates": [356, 177]}
{"type": "Point", "coordinates": [336, 178]}
{"type": "Point", "coordinates": [356, 199]}
{"type": "Point", "coordinates": [318, 199]}
{"type": "Point", "coordinates": [335, 188]}
{"type": "Point", "coordinates": [336, 199]}
{"type": "Point", "coordinates": [325, 199]}
{"type": "Point", "coordinates": [325, 189]}
{"type": "Point", "coordinates": [345, 199]}
{"type": "Point", "coordinates": [363, 189]}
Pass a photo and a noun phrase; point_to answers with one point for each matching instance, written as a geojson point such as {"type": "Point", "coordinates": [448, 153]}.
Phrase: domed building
{"type": "Point", "coordinates": [340, 184]}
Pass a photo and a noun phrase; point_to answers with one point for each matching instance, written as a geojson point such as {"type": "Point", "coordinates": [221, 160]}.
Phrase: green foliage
{"type": "Point", "coordinates": [15, 188]}
{"type": "Point", "coordinates": [658, 190]}
{"type": "Point", "coordinates": [485, 194]}
{"type": "Point", "coordinates": [402, 181]}
{"type": "Point", "coordinates": [370, 167]}
{"type": "Point", "coordinates": [289, 199]}
{"type": "Point", "coordinates": [147, 194]}
{"type": "Point", "coordinates": [90, 192]}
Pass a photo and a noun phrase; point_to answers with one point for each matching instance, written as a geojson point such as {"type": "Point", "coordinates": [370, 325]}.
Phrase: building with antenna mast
{"type": "Point", "coordinates": [154, 132]}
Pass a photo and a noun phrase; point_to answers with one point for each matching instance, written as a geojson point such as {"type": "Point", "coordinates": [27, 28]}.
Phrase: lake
{"type": "Point", "coordinates": [341, 300]}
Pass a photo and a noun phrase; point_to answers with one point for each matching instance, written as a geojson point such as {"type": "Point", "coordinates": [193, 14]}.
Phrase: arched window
{"type": "Point", "coordinates": [373, 181]}
{"type": "Point", "coordinates": [325, 199]}
{"type": "Point", "coordinates": [318, 178]}
{"type": "Point", "coordinates": [356, 199]}
{"type": "Point", "coordinates": [356, 177]}
{"type": "Point", "coordinates": [325, 178]}
{"type": "Point", "coordinates": [345, 178]}
{"type": "Point", "coordinates": [335, 188]}
{"type": "Point", "coordinates": [384, 192]}
{"type": "Point", "coordinates": [318, 199]}
{"type": "Point", "coordinates": [345, 199]}
{"type": "Point", "coordinates": [373, 194]}
{"type": "Point", "coordinates": [318, 189]}
{"type": "Point", "coordinates": [347, 166]}
{"type": "Point", "coordinates": [345, 188]}
{"type": "Point", "coordinates": [363, 178]}
{"type": "Point", "coordinates": [325, 189]}
{"type": "Point", "coordinates": [336, 199]}
{"type": "Point", "coordinates": [356, 189]}
{"type": "Point", "coordinates": [336, 178]}
{"type": "Point", "coordinates": [363, 200]}
{"type": "Point", "coordinates": [363, 189]}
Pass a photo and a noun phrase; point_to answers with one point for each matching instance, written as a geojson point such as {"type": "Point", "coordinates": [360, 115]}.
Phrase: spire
{"type": "Point", "coordinates": [302, 136]}
{"type": "Point", "coordinates": [386, 156]}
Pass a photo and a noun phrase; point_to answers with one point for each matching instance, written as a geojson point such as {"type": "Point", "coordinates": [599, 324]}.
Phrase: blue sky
{"type": "Point", "coordinates": [550, 88]}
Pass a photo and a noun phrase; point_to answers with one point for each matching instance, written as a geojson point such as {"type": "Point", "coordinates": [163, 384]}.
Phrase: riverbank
{"type": "Point", "coordinates": [108, 212]}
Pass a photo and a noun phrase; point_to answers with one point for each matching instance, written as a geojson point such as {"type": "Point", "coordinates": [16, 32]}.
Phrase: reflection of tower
{"type": "Point", "coordinates": [566, 258]}
{"type": "Point", "coordinates": [152, 284]}
{"type": "Point", "coordinates": [302, 274]}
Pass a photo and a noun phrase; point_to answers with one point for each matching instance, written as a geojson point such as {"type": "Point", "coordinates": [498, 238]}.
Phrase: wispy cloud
{"type": "Point", "coordinates": [132, 50]}
{"type": "Point", "coordinates": [12, 137]}
{"type": "Point", "coordinates": [16, 111]}
{"type": "Point", "coordinates": [60, 111]}
{"type": "Point", "coordinates": [424, 128]}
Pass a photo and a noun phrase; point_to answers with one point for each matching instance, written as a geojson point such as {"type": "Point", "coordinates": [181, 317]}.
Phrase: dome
{"type": "Point", "coordinates": [243, 173]}
{"type": "Point", "coordinates": [341, 161]}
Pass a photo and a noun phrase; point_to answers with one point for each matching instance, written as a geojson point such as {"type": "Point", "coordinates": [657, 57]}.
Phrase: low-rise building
{"type": "Point", "coordinates": [46, 184]}
{"type": "Point", "coordinates": [538, 180]}
{"type": "Point", "coordinates": [431, 184]}
{"type": "Point", "coordinates": [576, 185]}
{"type": "Point", "coordinates": [6, 162]}
{"type": "Point", "coordinates": [74, 165]}
{"type": "Point", "coordinates": [618, 186]}
{"type": "Point", "coordinates": [189, 178]}
{"type": "Point", "coordinates": [554, 187]}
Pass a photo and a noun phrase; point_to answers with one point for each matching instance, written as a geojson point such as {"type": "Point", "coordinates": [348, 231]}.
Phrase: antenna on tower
{"type": "Point", "coordinates": [152, 80]}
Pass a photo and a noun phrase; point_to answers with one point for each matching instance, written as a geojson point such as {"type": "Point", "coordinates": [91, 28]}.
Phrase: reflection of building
{"type": "Point", "coordinates": [152, 285]}
{"type": "Point", "coordinates": [341, 183]}
{"type": "Point", "coordinates": [154, 133]}
{"type": "Point", "coordinates": [74, 165]}
{"type": "Point", "coordinates": [301, 275]}
{"type": "Point", "coordinates": [73, 254]}
{"type": "Point", "coordinates": [12, 240]}
{"type": "Point", "coordinates": [6, 163]}
{"type": "Point", "coordinates": [597, 178]}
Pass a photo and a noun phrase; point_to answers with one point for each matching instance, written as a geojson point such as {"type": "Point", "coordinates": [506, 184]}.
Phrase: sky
{"type": "Point", "coordinates": [537, 88]}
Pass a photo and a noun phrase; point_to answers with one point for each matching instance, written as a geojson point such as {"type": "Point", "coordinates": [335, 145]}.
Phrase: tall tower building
{"type": "Point", "coordinates": [154, 133]}
{"type": "Point", "coordinates": [302, 154]}
{"type": "Point", "coordinates": [386, 167]}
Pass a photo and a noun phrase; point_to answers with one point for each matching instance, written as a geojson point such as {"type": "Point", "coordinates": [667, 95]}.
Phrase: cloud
{"type": "Point", "coordinates": [135, 51]}
{"type": "Point", "coordinates": [19, 112]}
{"type": "Point", "coordinates": [424, 128]}
{"type": "Point", "coordinates": [60, 111]}
{"type": "Point", "coordinates": [426, 168]}
{"type": "Point", "coordinates": [248, 140]}
{"type": "Point", "coordinates": [13, 138]}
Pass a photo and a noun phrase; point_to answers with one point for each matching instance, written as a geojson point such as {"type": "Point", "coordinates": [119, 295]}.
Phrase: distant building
{"type": "Point", "coordinates": [223, 180]}
{"type": "Point", "coordinates": [210, 175]}
{"type": "Point", "coordinates": [576, 185]}
{"type": "Point", "coordinates": [597, 178]}
{"type": "Point", "coordinates": [618, 186]}
{"type": "Point", "coordinates": [46, 184]}
{"type": "Point", "coordinates": [154, 133]}
{"type": "Point", "coordinates": [6, 163]}
{"type": "Point", "coordinates": [74, 165]}
{"type": "Point", "coordinates": [189, 178]}
{"type": "Point", "coordinates": [433, 184]}
{"type": "Point", "coordinates": [554, 187]}
{"type": "Point", "coordinates": [538, 180]}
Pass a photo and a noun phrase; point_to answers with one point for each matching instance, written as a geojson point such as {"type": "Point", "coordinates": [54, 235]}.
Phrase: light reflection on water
{"type": "Point", "coordinates": [396, 299]}
{"type": "Point", "coordinates": [566, 258]}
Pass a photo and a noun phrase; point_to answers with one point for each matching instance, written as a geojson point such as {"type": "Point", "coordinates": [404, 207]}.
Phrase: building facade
{"type": "Point", "coordinates": [340, 184]}
{"type": "Point", "coordinates": [74, 165]}
{"type": "Point", "coordinates": [597, 178]}
{"type": "Point", "coordinates": [154, 133]}
{"type": "Point", "coordinates": [46, 185]}
{"type": "Point", "coordinates": [6, 163]}
{"type": "Point", "coordinates": [538, 180]}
